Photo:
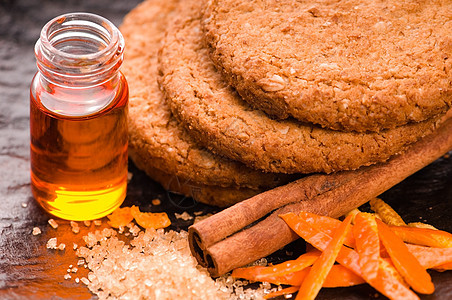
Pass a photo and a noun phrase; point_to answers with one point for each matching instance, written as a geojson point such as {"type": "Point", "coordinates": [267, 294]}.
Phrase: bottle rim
{"type": "Point", "coordinates": [53, 61]}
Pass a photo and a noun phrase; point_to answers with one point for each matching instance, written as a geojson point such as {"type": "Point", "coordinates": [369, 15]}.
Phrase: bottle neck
{"type": "Point", "coordinates": [79, 50]}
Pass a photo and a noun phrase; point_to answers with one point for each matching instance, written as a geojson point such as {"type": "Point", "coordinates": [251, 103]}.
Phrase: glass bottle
{"type": "Point", "coordinates": [78, 118]}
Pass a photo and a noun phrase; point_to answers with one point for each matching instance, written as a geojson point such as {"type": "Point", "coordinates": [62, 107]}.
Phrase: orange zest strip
{"type": "Point", "coordinates": [389, 285]}
{"type": "Point", "coordinates": [430, 257]}
{"type": "Point", "coordinates": [320, 240]}
{"type": "Point", "coordinates": [367, 244]}
{"type": "Point", "coordinates": [444, 267]}
{"type": "Point", "coordinates": [288, 290]}
{"type": "Point", "coordinates": [385, 283]}
{"type": "Point", "coordinates": [303, 261]}
{"type": "Point", "coordinates": [316, 277]}
{"type": "Point", "coordinates": [423, 236]}
{"type": "Point", "coordinates": [328, 225]}
{"type": "Point", "coordinates": [271, 273]}
{"type": "Point", "coordinates": [386, 213]}
{"type": "Point", "coordinates": [295, 278]}
{"type": "Point", "coordinates": [150, 220]}
{"type": "Point", "coordinates": [340, 276]}
{"type": "Point", "coordinates": [120, 217]}
{"type": "Point", "coordinates": [421, 225]}
{"type": "Point", "coordinates": [408, 266]}
{"type": "Point", "coordinates": [259, 273]}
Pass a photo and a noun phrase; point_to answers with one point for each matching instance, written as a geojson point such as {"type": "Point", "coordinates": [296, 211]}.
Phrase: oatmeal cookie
{"type": "Point", "coordinates": [157, 141]}
{"type": "Point", "coordinates": [358, 65]}
{"type": "Point", "coordinates": [216, 115]}
{"type": "Point", "coordinates": [178, 188]}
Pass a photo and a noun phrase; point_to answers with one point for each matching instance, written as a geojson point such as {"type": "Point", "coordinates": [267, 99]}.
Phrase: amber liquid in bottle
{"type": "Point", "coordinates": [79, 164]}
{"type": "Point", "coordinates": [78, 128]}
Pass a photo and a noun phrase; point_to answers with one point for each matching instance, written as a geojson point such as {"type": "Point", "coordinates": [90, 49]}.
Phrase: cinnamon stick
{"type": "Point", "coordinates": [221, 243]}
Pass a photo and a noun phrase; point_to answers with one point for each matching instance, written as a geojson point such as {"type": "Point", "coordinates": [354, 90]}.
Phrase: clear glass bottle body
{"type": "Point", "coordinates": [78, 118]}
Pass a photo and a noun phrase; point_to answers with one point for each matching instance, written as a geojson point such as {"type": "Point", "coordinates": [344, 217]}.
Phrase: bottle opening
{"type": "Point", "coordinates": [78, 56]}
{"type": "Point", "coordinates": [79, 37]}
{"type": "Point", "coordinates": [79, 44]}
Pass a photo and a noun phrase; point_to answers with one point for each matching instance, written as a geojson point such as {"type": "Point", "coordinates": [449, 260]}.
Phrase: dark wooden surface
{"type": "Point", "coordinates": [30, 271]}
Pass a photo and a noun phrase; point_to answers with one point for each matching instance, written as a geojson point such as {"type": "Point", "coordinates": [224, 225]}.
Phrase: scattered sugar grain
{"type": "Point", "coordinates": [130, 225]}
{"type": "Point", "coordinates": [24, 205]}
{"type": "Point", "coordinates": [61, 246]}
{"type": "Point", "coordinates": [260, 262]}
{"type": "Point", "coordinates": [266, 285]}
{"type": "Point", "coordinates": [36, 231]}
{"type": "Point", "coordinates": [236, 289]}
{"type": "Point", "coordinates": [87, 223]}
{"type": "Point", "coordinates": [155, 264]}
{"type": "Point", "coordinates": [74, 270]}
{"type": "Point", "coordinates": [85, 280]}
{"type": "Point", "coordinates": [134, 230]}
{"type": "Point", "coordinates": [184, 216]}
{"type": "Point", "coordinates": [80, 262]}
{"type": "Point", "coordinates": [97, 222]}
{"type": "Point", "coordinates": [156, 202]}
{"type": "Point", "coordinates": [198, 213]}
{"type": "Point", "coordinates": [74, 226]}
{"type": "Point", "coordinates": [52, 243]}
{"type": "Point", "coordinates": [53, 223]}
{"type": "Point", "coordinates": [67, 276]}
{"type": "Point", "coordinates": [129, 176]}
{"type": "Point", "coordinates": [74, 246]}
{"type": "Point", "coordinates": [77, 280]}
{"type": "Point", "coordinates": [91, 276]}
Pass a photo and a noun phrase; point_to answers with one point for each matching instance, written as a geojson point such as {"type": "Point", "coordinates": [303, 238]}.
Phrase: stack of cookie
{"type": "Point", "coordinates": [250, 92]}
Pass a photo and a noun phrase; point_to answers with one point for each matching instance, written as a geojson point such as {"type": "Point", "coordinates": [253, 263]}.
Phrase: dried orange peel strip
{"type": "Point", "coordinates": [120, 217]}
{"type": "Point", "coordinates": [319, 271]}
{"type": "Point", "coordinates": [329, 225]}
{"type": "Point", "coordinates": [386, 213]}
{"type": "Point", "coordinates": [123, 216]}
{"type": "Point", "coordinates": [353, 212]}
{"type": "Point", "coordinates": [286, 291]}
{"type": "Point", "coordinates": [408, 266]}
{"type": "Point", "coordinates": [389, 283]}
{"type": "Point", "coordinates": [367, 244]}
{"type": "Point", "coordinates": [259, 273]}
{"type": "Point", "coordinates": [150, 220]}
{"type": "Point", "coordinates": [339, 276]}
{"type": "Point", "coordinates": [386, 283]}
{"type": "Point", "coordinates": [430, 257]}
{"type": "Point", "coordinates": [320, 240]}
{"type": "Point", "coordinates": [423, 236]}
{"type": "Point", "coordinates": [404, 265]}
{"type": "Point", "coordinates": [444, 267]}
{"type": "Point", "coordinates": [421, 225]}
